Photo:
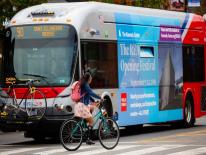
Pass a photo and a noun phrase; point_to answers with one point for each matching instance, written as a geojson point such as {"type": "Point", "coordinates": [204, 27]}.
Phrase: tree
{"type": "Point", "coordinates": [8, 8]}
{"type": "Point", "coordinates": [158, 4]}
{"type": "Point", "coordinates": [198, 10]}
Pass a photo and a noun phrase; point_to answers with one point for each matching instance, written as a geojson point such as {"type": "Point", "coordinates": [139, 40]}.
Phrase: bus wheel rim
{"type": "Point", "coordinates": [188, 113]}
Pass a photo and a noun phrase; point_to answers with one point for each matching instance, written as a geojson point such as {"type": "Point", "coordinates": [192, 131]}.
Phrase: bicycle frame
{"type": "Point", "coordinates": [97, 116]}
{"type": "Point", "coordinates": [75, 131]}
{"type": "Point", "coordinates": [16, 104]}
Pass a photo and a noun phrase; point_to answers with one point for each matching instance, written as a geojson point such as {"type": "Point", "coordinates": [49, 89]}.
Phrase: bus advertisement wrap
{"type": "Point", "coordinates": [135, 70]}
{"type": "Point", "coordinates": [139, 73]}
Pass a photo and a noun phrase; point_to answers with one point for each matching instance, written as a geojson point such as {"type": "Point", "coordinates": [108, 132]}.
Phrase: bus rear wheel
{"type": "Point", "coordinates": [189, 119]}
{"type": "Point", "coordinates": [39, 138]}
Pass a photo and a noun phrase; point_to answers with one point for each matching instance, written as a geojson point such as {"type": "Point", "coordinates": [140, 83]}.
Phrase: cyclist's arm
{"type": "Point", "coordinates": [90, 92]}
{"type": "Point", "coordinates": [91, 99]}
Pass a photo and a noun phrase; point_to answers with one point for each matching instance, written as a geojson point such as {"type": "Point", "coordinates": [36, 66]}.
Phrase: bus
{"type": "Point", "coordinates": [148, 64]}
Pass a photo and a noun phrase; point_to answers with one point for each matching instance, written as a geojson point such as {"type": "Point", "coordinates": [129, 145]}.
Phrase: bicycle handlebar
{"type": "Point", "coordinates": [43, 78]}
{"type": "Point", "coordinates": [24, 82]}
{"type": "Point", "coordinates": [100, 103]}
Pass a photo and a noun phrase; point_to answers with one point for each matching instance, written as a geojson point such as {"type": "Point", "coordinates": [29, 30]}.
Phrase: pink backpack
{"type": "Point", "coordinates": [76, 92]}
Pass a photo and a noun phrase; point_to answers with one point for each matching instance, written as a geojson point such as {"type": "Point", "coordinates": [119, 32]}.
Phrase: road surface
{"type": "Point", "coordinates": [151, 140]}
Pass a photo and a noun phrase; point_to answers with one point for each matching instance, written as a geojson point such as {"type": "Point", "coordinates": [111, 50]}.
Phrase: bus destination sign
{"type": "Point", "coordinates": [48, 30]}
{"type": "Point", "coordinates": [41, 31]}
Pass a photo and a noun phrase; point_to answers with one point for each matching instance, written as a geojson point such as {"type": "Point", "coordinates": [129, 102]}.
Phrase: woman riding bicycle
{"type": "Point", "coordinates": [85, 107]}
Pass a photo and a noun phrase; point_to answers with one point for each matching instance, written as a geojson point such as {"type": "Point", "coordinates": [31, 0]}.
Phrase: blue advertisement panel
{"type": "Point", "coordinates": [137, 105]}
{"type": "Point", "coordinates": [138, 71]}
{"type": "Point", "coordinates": [137, 65]}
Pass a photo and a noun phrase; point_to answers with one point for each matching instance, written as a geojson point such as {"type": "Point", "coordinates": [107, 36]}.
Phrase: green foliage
{"type": "Point", "coordinates": [199, 10]}
{"type": "Point", "coordinates": [8, 8]}
{"type": "Point", "coordinates": [142, 3]}
{"type": "Point", "coordinates": [159, 4]}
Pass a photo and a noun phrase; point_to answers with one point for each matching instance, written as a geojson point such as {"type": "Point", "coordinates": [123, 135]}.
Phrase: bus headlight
{"type": "Point", "coordinates": [69, 108]}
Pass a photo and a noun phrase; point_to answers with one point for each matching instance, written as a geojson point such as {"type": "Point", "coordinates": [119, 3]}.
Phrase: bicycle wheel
{"type": "Point", "coordinates": [108, 133]}
{"type": "Point", "coordinates": [6, 102]}
{"type": "Point", "coordinates": [35, 104]}
{"type": "Point", "coordinates": [71, 135]}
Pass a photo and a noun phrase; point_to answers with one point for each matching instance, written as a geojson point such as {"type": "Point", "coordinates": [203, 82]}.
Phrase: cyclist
{"type": "Point", "coordinates": [85, 107]}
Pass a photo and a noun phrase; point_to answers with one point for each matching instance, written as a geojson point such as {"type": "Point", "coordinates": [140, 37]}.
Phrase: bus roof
{"type": "Point", "coordinates": [77, 12]}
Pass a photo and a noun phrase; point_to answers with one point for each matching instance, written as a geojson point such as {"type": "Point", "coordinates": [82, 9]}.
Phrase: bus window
{"type": "Point", "coordinates": [30, 49]}
{"type": "Point", "coordinates": [170, 76]}
{"type": "Point", "coordinates": [193, 64]}
{"type": "Point", "coordinates": [100, 58]}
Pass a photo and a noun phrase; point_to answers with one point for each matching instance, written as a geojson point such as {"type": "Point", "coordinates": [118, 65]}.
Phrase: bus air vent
{"type": "Point", "coordinates": [42, 14]}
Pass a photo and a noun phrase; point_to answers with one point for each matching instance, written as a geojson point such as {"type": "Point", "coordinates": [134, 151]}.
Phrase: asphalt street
{"type": "Point", "coordinates": [152, 139]}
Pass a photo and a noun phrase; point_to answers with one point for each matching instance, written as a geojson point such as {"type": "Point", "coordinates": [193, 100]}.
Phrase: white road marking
{"type": "Point", "coordinates": [117, 148]}
{"type": "Point", "coordinates": [191, 151]}
{"type": "Point", "coordinates": [14, 151]}
{"type": "Point", "coordinates": [95, 149]}
{"type": "Point", "coordinates": [151, 150]}
{"type": "Point", "coordinates": [55, 151]}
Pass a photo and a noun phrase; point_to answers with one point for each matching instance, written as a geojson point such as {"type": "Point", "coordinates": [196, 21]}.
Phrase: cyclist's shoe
{"type": "Point", "coordinates": [89, 142]}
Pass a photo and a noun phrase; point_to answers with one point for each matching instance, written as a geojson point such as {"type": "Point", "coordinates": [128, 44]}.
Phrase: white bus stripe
{"type": "Point", "coordinates": [151, 150]}
{"type": "Point", "coordinates": [187, 26]}
{"type": "Point", "coordinates": [117, 148]}
{"type": "Point", "coordinates": [191, 151]}
{"type": "Point", "coordinates": [14, 151]}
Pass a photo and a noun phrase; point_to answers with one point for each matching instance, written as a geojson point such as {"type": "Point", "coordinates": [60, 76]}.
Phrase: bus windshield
{"type": "Point", "coordinates": [46, 50]}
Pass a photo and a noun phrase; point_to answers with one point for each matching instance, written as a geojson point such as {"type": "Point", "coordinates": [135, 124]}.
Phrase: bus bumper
{"type": "Point", "coordinates": [48, 125]}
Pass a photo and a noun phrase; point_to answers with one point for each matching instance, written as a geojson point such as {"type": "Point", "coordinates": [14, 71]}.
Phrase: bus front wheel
{"type": "Point", "coordinates": [189, 119]}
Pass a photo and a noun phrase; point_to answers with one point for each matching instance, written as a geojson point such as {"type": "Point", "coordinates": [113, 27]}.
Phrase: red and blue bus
{"type": "Point", "coordinates": [148, 64]}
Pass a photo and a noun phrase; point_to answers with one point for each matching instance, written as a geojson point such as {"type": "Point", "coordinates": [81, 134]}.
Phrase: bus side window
{"type": "Point", "coordinates": [193, 64]}
{"type": "Point", "coordinates": [100, 59]}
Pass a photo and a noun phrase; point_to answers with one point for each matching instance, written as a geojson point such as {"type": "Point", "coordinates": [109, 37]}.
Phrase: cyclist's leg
{"type": "Point", "coordinates": [84, 112]}
{"type": "Point", "coordinates": [90, 121]}
{"type": "Point", "coordinates": [90, 128]}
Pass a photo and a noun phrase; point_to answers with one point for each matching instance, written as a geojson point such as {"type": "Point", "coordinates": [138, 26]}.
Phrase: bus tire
{"type": "Point", "coordinates": [108, 106]}
{"type": "Point", "coordinates": [189, 118]}
{"type": "Point", "coordinates": [134, 128]}
{"type": "Point", "coordinates": [39, 138]}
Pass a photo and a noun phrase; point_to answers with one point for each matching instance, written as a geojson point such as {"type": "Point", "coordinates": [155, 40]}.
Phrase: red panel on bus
{"type": "Point", "coordinates": [195, 34]}
{"type": "Point", "coordinates": [48, 92]}
{"type": "Point", "coordinates": [194, 37]}
{"type": "Point", "coordinates": [123, 102]}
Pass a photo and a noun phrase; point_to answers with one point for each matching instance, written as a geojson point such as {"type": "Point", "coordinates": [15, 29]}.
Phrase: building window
{"type": "Point", "coordinates": [100, 58]}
